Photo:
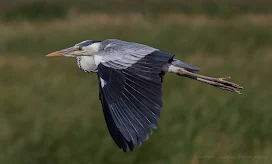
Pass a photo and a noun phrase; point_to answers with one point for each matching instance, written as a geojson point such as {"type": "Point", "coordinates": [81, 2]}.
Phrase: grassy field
{"type": "Point", "coordinates": [50, 112]}
{"type": "Point", "coordinates": [51, 9]}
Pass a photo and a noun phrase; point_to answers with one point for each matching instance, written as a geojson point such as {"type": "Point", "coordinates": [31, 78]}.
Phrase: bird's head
{"type": "Point", "coordinates": [85, 48]}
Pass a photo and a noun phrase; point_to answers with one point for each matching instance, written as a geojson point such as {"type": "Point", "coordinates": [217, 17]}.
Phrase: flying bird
{"type": "Point", "coordinates": [130, 84]}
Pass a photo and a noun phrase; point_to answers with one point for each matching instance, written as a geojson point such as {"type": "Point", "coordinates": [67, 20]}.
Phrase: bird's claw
{"type": "Point", "coordinates": [224, 81]}
{"type": "Point", "coordinates": [224, 78]}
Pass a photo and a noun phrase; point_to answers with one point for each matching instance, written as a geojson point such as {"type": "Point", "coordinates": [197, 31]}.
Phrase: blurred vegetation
{"type": "Point", "coordinates": [49, 9]}
{"type": "Point", "coordinates": [50, 112]}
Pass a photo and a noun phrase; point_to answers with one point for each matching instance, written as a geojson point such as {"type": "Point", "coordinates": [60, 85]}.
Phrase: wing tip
{"type": "Point", "coordinates": [130, 145]}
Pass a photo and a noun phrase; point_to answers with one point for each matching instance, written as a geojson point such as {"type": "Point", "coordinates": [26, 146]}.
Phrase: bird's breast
{"type": "Point", "coordinates": [86, 63]}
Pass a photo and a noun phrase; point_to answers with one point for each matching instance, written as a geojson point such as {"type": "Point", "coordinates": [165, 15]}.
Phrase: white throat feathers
{"type": "Point", "coordinates": [86, 63]}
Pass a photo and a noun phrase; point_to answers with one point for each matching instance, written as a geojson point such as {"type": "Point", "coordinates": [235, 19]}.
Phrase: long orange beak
{"type": "Point", "coordinates": [65, 52]}
{"type": "Point", "coordinates": [55, 54]}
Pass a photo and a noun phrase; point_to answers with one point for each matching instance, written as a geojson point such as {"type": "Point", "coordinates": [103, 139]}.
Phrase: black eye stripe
{"type": "Point", "coordinates": [86, 43]}
{"type": "Point", "coordinates": [79, 48]}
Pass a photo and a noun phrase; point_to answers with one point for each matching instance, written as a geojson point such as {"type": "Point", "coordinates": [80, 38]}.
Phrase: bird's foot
{"type": "Point", "coordinates": [222, 83]}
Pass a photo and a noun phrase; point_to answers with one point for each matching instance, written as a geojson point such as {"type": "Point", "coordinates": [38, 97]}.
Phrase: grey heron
{"type": "Point", "coordinates": [130, 84]}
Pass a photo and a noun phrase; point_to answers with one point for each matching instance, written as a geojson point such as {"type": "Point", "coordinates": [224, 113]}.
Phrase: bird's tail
{"type": "Point", "coordinates": [186, 66]}
{"type": "Point", "coordinates": [187, 70]}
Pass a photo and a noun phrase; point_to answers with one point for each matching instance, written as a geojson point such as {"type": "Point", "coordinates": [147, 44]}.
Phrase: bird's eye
{"type": "Point", "coordinates": [79, 48]}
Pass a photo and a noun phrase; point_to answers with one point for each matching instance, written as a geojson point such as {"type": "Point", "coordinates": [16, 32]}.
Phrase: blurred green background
{"type": "Point", "coordinates": [49, 109]}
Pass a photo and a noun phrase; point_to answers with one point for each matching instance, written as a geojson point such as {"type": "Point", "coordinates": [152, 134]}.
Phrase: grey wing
{"type": "Point", "coordinates": [119, 54]}
{"type": "Point", "coordinates": [131, 95]}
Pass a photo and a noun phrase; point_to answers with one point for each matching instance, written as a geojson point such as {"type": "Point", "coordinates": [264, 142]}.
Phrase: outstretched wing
{"type": "Point", "coordinates": [130, 92]}
{"type": "Point", "coordinates": [119, 54]}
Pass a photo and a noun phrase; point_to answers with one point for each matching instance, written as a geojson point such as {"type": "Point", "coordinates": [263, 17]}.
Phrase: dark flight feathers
{"type": "Point", "coordinates": [132, 98]}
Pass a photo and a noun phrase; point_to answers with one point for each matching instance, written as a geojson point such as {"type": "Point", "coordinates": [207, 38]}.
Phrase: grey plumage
{"type": "Point", "coordinates": [184, 65]}
{"type": "Point", "coordinates": [130, 84]}
{"type": "Point", "coordinates": [119, 54]}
